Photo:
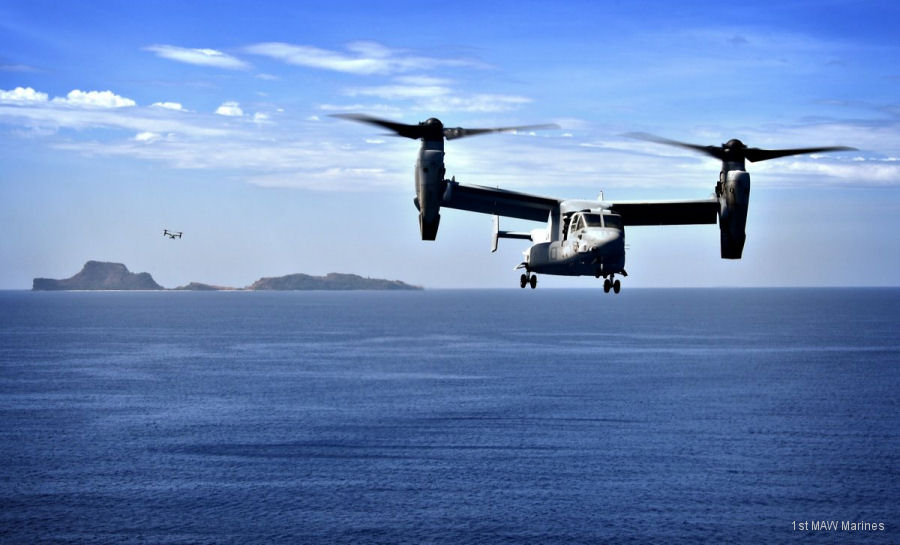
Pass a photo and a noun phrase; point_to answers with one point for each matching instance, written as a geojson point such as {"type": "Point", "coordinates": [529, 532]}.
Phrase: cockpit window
{"type": "Point", "coordinates": [602, 220]}
{"type": "Point", "coordinates": [613, 220]}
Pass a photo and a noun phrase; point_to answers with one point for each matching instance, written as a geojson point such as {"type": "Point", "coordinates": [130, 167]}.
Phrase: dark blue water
{"type": "Point", "coordinates": [553, 416]}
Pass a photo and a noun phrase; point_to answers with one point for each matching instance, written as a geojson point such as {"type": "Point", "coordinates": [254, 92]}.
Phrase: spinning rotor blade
{"type": "Point", "coordinates": [714, 151]}
{"type": "Point", "coordinates": [433, 128]}
{"type": "Point", "coordinates": [735, 149]}
{"type": "Point", "coordinates": [401, 129]}
{"type": "Point", "coordinates": [459, 132]}
{"type": "Point", "coordinates": [755, 155]}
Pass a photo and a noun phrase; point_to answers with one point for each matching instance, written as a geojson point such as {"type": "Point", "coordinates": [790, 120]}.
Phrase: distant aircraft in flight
{"type": "Point", "coordinates": [171, 234]}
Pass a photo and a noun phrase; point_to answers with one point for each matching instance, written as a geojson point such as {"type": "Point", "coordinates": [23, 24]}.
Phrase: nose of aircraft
{"type": "Point", "coordinates": [602, 240]}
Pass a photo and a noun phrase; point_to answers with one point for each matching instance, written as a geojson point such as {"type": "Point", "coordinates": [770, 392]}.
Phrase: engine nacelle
{"type": "Point", "coordinates": [429, 189]}
{"type": "Point", "coordinates": [734, 199]}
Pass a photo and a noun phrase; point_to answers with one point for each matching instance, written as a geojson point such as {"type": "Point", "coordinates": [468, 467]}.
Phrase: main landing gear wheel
{"type": "Point", "coordinates": [527, 279]}
{"type": "Point", "coordinates": [614, 285]}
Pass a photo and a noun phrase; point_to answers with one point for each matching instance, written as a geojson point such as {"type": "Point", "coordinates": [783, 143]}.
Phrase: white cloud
{"type": "Point", "coordinates": [147, 136]}
{"type": "Point", "coordinates": [230, 109]}
{"type": "Point", "coordinates": [363, 58]}
{"type": "Point", "coordinates": [202, 57]}
{"type": "Point", "coordinates": [329, 155]}
{"type": "Point", "coordinates": [22, 95]}
{"type": "Point", "coordinates": [260, 117]}
{"type": "Point", "coordinates": [51, 116]}
{"type": "Point", "coordinates": [871, 172]}
{"type": "Point", "coordinates": [169, 106]}
{"type": "Point", "coordinates": [94, 99]}
{"type": "Point", "coordinates": [77, 98]}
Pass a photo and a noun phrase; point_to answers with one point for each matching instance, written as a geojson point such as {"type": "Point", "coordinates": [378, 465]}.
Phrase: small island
{"type": "Point", "coordinates": [331, 281]}
{"type": "Point", "coordinates": [100, 275]}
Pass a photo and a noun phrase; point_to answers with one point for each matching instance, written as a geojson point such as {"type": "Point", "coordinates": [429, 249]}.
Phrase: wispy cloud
{"type": "Point", "coordinates": [365, 58]}
{"type": "Point", "coordinates": [875, 172]}
{"type": "Point", "coordinates": [436, 95]}
{"type": "Point", "coordinates": [169, 106]}
{"type": "Point", "coordinates": [17, 68]}
{"type": "Point", "coordinates": [324, 154]}
{"type": "Point", "coordinates": [484, 103]}
{"type": "Point", "coordinates": [201, 57]}
{"type": "Point", "coordinates": [395, 92]}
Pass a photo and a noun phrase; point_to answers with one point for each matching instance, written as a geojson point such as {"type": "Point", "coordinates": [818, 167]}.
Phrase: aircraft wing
{"type": "Point", "coordinates": [500, 202]}
{"type": "Point", "coordinates": [667, 212]}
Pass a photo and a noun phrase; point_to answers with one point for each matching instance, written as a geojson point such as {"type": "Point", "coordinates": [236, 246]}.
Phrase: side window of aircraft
{"type": "Point", "coordinates": [573, 224]}
{"type": "Point", "coordinates": [576, 224]}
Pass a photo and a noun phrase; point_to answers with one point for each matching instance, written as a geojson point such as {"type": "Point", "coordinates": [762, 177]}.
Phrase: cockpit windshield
{"type": "Point", "coordinates": [613, 220]}
{"type": "Point", "coordinates": [583, 220]}
{"type": "Point", "coordinates": [604, 220]}
{"type": "Point", "coordinates": [593, 220]}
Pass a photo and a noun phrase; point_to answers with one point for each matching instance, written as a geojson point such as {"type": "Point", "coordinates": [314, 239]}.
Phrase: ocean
{"type": "Point", "coordinates": [450, 417]}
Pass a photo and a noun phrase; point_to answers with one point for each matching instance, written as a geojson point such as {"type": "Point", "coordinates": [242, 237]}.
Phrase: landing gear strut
{"type": "Point", "coordinates": [526, 279]}
{"type": "Point", "coordinates": [611, 283]}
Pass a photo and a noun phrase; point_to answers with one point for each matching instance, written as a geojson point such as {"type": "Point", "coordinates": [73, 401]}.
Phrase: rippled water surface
{"type": "Point", "coordinates": [553, 416]}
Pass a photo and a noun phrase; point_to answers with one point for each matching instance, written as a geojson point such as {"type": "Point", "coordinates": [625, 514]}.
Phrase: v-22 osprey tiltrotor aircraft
{"type": "Point", "coordinates": [582, 237]}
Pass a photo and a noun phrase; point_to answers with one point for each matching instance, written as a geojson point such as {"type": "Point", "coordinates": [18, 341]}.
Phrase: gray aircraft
{"type": "Point", "coordinates": [581, 237]}
{"type": "Point", "coordinates": [171, 234]}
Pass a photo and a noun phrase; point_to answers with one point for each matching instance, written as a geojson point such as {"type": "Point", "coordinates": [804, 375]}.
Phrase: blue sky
{"type": "Point", "coordinates": [120, 119]}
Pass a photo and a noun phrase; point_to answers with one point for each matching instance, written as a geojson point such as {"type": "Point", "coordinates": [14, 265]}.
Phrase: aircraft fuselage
{"type": "Point", "coordinates": [592, 251]}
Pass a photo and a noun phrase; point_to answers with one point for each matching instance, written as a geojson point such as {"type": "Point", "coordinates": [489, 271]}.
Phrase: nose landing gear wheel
{"type": "Point", "coordinates": [523, 281]}
{"type": "Point", "coordinates": [606, 285]}
{"type": "Point", "coordinates": [616, 286]}
{"type": "Point", "coordinates": [533, 281]}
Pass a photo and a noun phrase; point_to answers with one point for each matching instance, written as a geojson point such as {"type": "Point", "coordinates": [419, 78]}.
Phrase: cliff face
{"type": "Point", "coordinates": [331, 281]}
{"type": "Point", "coordinates": [98, 275]}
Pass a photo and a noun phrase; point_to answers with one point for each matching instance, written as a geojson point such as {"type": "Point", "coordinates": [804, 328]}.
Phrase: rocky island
{"type": "Point", "coordinates": [99, 275]}
{"type": "Point", "coordinates": [331, 281]}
